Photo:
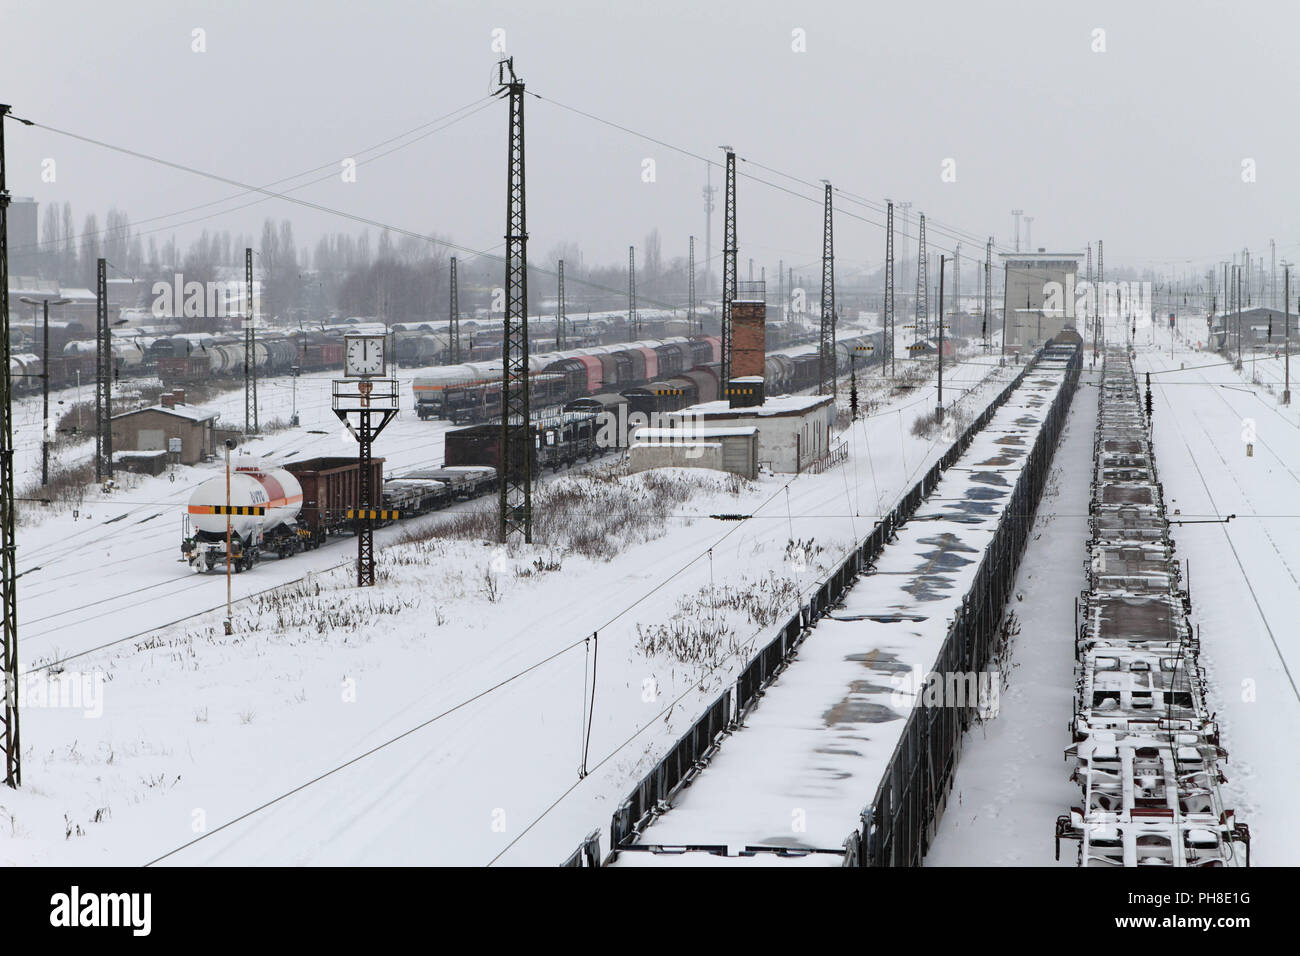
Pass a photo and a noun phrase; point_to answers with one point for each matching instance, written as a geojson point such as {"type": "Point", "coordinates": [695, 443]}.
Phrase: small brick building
{"type": "Point", "coordinates": [150, 429]}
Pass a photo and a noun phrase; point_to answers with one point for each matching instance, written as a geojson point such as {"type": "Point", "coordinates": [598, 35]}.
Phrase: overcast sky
{"type": "Point", "coordinates": [1141, 145]}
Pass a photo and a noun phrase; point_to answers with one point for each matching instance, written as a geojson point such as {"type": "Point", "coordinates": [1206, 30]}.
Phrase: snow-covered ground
{"type": "Point", "coordinates": [198, 729]}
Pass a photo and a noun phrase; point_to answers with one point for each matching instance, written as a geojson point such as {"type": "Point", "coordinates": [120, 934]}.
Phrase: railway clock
{"type": "Point", "coordinates": [364, 356]}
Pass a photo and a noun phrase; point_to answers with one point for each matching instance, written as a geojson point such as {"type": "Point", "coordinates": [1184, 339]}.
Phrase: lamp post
{"type": "Point", "coordinates": [45, 383]}
{"type": "Point", "coordinates": [1286, 329]}
{"type": "Point", "coordinates": [229, 623]}
{"type": "Point", "coordinates": [938, 411]}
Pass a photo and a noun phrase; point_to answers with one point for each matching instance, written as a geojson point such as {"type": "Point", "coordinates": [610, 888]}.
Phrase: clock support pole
{"type": "Point", "coordinates": [371, 404]}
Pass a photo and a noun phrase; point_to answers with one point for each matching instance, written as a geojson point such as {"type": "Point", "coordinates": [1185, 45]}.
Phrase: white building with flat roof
{"type": "Point", "coordinates": [794, 431]}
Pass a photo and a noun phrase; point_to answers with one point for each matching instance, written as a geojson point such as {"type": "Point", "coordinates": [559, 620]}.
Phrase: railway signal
{"type": "Point", "coordinates": [853, 387]}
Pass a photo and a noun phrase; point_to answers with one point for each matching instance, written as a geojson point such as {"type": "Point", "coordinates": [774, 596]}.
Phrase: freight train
{"type": "Point", "coordinates": [297, 507]}
{"type": "Point", "coordinates": [653, 375]}
{"type": "Point", "coordinates": [174, 359]}
{"type": "Point", "coordinates": [1146, 751]}
{"type": "Point", "coordinates": [554, 442]}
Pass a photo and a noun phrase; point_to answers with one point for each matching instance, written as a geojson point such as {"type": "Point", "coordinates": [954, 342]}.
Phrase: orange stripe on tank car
{"type": "Point", "coordinates": [283, 502]}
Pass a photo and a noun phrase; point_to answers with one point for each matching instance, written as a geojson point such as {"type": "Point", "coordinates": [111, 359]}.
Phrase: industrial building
{"type": "Point", "coordinates": [1039, 296]}
{"type": "Point", "coordinates": [1259, 327]}
{"type": "Point", "coordinates": [745, 430]}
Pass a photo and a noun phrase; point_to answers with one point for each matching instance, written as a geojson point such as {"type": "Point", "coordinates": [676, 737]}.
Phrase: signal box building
{"type": "Point", "coordinates": [1039, 297]}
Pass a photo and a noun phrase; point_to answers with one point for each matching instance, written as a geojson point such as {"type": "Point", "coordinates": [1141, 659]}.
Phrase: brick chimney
{"type": "Point", "coordinates": [748, 345]}
{"type": "Point", "coordinates": [168, 400]}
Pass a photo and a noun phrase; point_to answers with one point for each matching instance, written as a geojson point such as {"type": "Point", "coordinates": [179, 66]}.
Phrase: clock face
{"type": "Point", "coordinates": [364, 356]}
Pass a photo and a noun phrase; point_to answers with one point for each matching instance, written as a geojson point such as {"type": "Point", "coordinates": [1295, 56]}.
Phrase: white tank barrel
{"type": "Point", "coordinates": [245, 491]}
{"type": "Point", "coordinates": [283, 494]}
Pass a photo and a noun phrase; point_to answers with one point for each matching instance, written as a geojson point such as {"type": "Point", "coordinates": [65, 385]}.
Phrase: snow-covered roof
{"type": "Point", "coordinates": [676, 444]}
{"type": "Point", "coordinates": [193, 412]}
{"type": "Point", "coordinates": [687, 432]}
{"type": "Point", "coordinates": [1073, 257]}
{"type": "Point", "coordinates": [779, 405]}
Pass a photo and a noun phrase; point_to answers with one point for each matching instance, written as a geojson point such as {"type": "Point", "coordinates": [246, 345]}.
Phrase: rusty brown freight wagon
{"type": "Point", "coordinates": [330, 486]}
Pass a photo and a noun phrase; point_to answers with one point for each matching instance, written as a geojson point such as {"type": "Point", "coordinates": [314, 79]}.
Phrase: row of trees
{"type": "Point", "coordinates": [397, 278]}
{"type": "Point", "coordinates": [69, 256]}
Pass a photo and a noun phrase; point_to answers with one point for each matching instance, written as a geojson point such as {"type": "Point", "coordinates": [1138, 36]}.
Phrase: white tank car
{"type": "Point", "coordinates": [283, 494]}
{"type": "Point", "coordinates": [245, 491]}
{"type": "Point", "coordinates": [273, 489]}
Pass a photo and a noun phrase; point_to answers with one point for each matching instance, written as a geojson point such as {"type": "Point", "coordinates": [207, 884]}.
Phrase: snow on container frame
{"type": "Point", "coordinates": [1146, 749]}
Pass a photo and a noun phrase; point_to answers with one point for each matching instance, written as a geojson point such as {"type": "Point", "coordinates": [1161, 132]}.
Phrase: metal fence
{"type": "Point", "coordinates": [896, 827]}
{"type": "Point", "coordinates": [587, 853]}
